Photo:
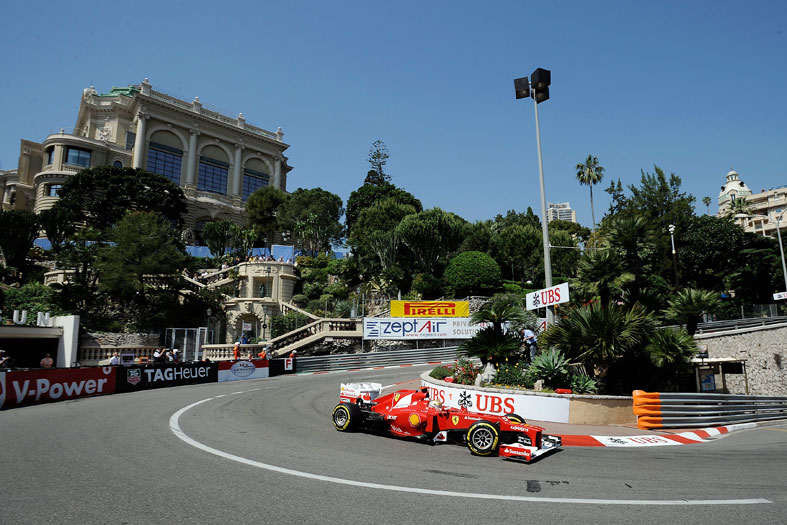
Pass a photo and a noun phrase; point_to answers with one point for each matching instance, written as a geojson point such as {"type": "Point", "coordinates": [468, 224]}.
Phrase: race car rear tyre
{"type": "Point", "coordinates": [482, 438]}
{"type": "Point", "coordinates": [347, 417]}
{"type": "Point", "coordinates": [516, 418]}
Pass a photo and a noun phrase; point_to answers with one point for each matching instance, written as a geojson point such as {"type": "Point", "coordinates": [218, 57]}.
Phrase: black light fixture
{"type": "Point", "coordinates": [522, 87]}
{"type": "Point", "coordinates": [540, 80]}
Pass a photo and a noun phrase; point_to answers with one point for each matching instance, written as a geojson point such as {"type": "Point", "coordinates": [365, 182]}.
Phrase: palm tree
{"type": "Point", "coordinates": [688, 306]}
{"type": "Point", "coordinates": [706, 202]}
{"type": "Point", "coordinates": [601, 273]}
{"type": "Point", "coordinates": [599, 336]}
{"type": "Point", "coordinates": [493, 343]}
{"type": "Point", "coordinates": [739, 206]}
{"type": "Point", "coordinates": [590, 173]}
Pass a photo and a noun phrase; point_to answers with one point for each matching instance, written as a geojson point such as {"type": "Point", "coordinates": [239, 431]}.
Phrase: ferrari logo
{"type": "Point", "coordinates": [396, 397]}
{"type": "Point", "coordinates": [455, 420]}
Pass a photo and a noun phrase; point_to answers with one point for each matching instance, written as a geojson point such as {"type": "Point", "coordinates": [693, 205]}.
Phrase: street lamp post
{"type": "Point", "coordinates": [674, 256]}
{"type": "Point", "coordinates": [781, 247]}
{"type": "Point", "coordinates": [538, 89]}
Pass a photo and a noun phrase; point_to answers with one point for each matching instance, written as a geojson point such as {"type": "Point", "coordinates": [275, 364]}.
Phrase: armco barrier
{"type": "Point", "coordinates": [688, 410]}
{"type": "Point", "coordinates": [383, 358]}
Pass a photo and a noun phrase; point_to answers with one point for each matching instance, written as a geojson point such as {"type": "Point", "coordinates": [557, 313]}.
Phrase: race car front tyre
{"type": "Point", "coordinates": [482, 438]}
{"type": "Point", "coordinates": [516, 418]}
{"type": "Point", "coordinates": [347, 417]}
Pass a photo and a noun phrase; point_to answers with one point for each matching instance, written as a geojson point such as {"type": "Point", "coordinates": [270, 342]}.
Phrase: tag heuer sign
{"type": "Point", "coordinates": [134, 376]}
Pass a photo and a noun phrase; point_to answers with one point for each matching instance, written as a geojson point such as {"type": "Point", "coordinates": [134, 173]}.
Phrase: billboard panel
{"type": "Point", "coordinates": [430, 309]}
{"type": "Point", "coordinates": [397, 328]}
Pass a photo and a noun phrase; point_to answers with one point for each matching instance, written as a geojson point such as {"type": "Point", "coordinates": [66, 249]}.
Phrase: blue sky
{"type": "Point", "coordinates": [695, 87]}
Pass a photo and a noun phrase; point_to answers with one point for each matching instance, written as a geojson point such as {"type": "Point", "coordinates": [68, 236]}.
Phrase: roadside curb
{"type": "Point", "coordinates": [660, 440]}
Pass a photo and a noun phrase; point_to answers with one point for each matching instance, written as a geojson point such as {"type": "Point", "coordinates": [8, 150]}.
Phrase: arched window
{"type": "Point", "coordinates": [117, 164]}
{"type": "Point", "coordinates": [213, 170]}
{"type": "Point", "coordinates": [165, 156]}
{"type": "Point", "coordinates": [255, 176]}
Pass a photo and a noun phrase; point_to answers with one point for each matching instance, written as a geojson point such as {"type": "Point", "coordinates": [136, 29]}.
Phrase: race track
{"type": "Point", "coordinates": [265, 451]}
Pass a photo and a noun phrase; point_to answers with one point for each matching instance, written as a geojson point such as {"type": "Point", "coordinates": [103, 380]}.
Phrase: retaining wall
{"type": "Point", "coordinates": [765, 350]}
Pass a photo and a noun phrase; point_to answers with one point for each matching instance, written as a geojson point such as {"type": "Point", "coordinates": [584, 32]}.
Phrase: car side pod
{"type": "Point", "coordinates": [525, 453]}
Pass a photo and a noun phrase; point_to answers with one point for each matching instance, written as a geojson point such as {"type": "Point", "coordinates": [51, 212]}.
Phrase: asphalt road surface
{"type": "Point", "coordinates": [265, 451]}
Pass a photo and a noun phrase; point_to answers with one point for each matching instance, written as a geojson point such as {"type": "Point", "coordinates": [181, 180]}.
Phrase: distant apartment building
{"type": "Point", "coordinates": [766, 206]}
{"type": "Point", "coordinates": [561, 211]}
{"type": "Point", "coordinates": [216, 159]}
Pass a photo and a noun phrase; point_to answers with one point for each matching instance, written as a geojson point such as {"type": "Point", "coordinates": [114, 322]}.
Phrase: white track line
{"type": "Point", "coordinates": [175, 427]}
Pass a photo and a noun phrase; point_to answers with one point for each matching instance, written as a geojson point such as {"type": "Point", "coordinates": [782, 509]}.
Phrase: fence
{"type": "Point", "coordinates": [687, 410]}
{"type": "Point", "coordinates": [736, 324]}
{"type": "Point", "coordinates": [327, 363]}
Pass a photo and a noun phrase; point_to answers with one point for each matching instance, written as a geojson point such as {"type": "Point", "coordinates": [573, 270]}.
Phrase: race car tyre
{"type": "Point", "coordinates": [347, 417]}
{"type": "Point", "coordinates": [482, 438]}
{"type": "Point", "coordinates": [516, 418]}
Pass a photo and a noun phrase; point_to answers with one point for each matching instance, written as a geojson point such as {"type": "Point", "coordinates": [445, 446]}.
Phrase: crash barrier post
{"type": "Point", "coordinates": [688, 410]}
{"type": "Point", "coordinates": [383, 358]}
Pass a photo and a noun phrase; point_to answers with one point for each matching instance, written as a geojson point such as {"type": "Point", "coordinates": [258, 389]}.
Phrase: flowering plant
{"type": "Point", "coordinates": [465, 371]}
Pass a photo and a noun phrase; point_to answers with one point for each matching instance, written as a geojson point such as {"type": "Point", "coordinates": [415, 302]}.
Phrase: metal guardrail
{"type": "Point", "coordinates": [736, 324]}
{"type": "Point", "coordinates": [687, 410]}
{"type": "Point", "coordinates": [327, 363]}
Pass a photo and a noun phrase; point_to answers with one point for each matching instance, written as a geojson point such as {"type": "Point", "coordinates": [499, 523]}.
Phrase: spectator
{"type": "Point", "coordinates": [5, 359]}
{"type": "Point", "coordinates": [531, 342]}
{"type": "Point", "coordinates": [176, 355]}
{"type": "Point", "coordinates": [168, 356]}
{"type": "Point", "coordinates": [158, 355]}
{"type": "Point", "coordinates": [47, 361]}
{"type": "Point", "coordinates": [114, 360]}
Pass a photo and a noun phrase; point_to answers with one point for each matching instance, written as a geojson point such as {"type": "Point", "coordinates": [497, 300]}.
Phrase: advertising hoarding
{"type": "Point", "coordinates": [240, 370]}
{"type": "Point", "coordinates": [430, 309]}
{"type": "Point", "coordinates": [548, 296]}
{"type": "Point", "coordinates": [133, 378]}
{"type": "Point", "coordinates": [31, 387]}
{"type": "Point", "coordinates": [398, 328]}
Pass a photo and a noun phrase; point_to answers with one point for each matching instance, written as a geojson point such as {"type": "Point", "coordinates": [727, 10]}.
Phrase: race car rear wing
{"type": "Point", "coordinates": [366, 392]}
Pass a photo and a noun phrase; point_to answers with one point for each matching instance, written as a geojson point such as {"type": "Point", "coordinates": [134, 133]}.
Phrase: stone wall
{"type": "Point", "coordinates": [765, 350]}
{"type": "Point", "coordinates": [91, 339]}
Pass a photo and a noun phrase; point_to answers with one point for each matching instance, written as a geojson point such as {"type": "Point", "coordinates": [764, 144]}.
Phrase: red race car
{"type": "Point", "coordinates": [410, 413]}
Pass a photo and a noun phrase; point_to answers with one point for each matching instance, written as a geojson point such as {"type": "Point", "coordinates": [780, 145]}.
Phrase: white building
{"type": "Point", "coordinates": [766, 206]}
{"type": "Point", "coordinates": [561, 211]}
{"type": "Point", "coordinates": [216, 159]}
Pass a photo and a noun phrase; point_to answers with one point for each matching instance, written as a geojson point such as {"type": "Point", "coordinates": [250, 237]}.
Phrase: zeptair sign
{"type": "Point", "coordinates": [548, 296]}
{"type": "Point", "coordinates": [779, 296]}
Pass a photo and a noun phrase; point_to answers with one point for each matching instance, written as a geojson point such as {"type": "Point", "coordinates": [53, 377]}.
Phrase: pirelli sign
{"type": "Point", "coordinates": [430, 309]}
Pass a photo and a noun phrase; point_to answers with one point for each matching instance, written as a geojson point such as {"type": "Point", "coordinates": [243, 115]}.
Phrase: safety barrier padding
{"type": "Point", "coordinates": [689, 410]}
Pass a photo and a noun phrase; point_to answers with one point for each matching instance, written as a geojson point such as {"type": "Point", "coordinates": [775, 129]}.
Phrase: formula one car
{"type": "Point", "coordinates": [410, 413]}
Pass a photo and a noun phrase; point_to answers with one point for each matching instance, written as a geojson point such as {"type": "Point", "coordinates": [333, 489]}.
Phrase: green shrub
{"type": "Point", "coordinates": [472, 273]}
{"type": "Point", "coordinates": [552, 367]}
{"type": "Point", "coordinates": [514, 375]}
{"type": "Point", "coordinates": [281, 324]}
{"type": "Point", "coordinates": [337, 290]}
{"type": "Point", "coordinates": [427, 285]}
{"type": "Point", "coordinates": [299, 300]}
{"type": "Point", "coordinates": [582, 384]}
{"type": "Point", "coordinates": [441, 372]}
